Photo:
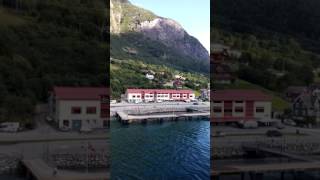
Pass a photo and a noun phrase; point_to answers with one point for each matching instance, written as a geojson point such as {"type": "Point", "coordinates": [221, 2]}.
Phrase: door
{"type": "Point", "coordinates": [76, 125]}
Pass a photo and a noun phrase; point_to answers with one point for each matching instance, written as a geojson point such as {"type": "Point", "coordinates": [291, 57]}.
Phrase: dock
{"type": "Point", "coordinates": [300, 164]}
{"type": "Point", "coordinates": [39, 170]}
{"type": "Point", "coordinates": [258, 169]}
{"type": "Point", "coordinates": [279, 153]}
{"type": "Point", "coordinates": [126, 118]}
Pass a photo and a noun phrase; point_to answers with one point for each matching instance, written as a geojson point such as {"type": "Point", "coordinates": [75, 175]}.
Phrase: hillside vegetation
{"type": "Point", "coordinates": [278, 40]}
{"type": "Point", "coordinates": [45, 43]}
{"type": "Point", "coordinates": [130, 74]}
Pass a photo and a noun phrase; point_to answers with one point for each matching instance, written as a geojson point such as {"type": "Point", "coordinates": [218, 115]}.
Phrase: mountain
{"type": "Point", "coordinates": [137, 33]}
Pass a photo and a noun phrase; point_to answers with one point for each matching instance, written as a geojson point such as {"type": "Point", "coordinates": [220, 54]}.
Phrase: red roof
{"type": "Point", "coordinates": [240, 95]}
{"type": "Point", "coordinates": [80, 93]}
{"type": "Point", "coordinates": [164, 91]}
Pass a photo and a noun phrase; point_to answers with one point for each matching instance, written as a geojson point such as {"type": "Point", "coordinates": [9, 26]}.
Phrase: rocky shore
{"type": "Point", "coordinates": [8, 164]}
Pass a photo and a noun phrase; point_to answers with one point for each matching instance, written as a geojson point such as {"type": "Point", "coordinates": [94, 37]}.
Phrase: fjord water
{"type": "Point", "coordinates": [171, 150]}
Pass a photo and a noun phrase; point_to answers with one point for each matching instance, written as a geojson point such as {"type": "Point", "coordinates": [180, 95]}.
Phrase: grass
{"type": "Point", "coordinates": [9, 19]}
{"type": "Point", "coordinates": [278, 103]}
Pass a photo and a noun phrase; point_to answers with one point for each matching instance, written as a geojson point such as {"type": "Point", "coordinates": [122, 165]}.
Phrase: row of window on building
{"type": "Point", "coordinates": [236, 109]}
{"type": "Point", "coordinates": [89, 110]}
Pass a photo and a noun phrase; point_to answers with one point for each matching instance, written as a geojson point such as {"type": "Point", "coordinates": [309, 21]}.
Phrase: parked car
{"type": "Point", "coordinates": [289, 122]}
{"type": "Point", "coordinates": [248, 124]}
{"type": "Point", "coordinates": [219, 134]}
{"type": "Point", "coordinates": [9, 127]}
{"type": "Point", "coordinates": [280, 126]}
{"type": "Point", "coordinates": [85, 130]}
{"type": "Point", "coordinates": [195, 103]}
{"type": "Point", "coordinates": [49, 119]}
{"type": "Point", "coordinates": [273, 133]}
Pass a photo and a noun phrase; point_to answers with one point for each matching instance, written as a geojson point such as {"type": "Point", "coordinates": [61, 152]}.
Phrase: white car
{"type": "Point", "coordinates": [9, 127]}
{"type": "Point", "coordinates": [85, 130]}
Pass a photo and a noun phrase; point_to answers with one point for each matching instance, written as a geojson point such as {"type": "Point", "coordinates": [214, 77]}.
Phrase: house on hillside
{"type": "Point", "coordinates": [238, 106]}
{"type": "Point", "coordinates": [149, 76]}
{"type": "Point", "coordinates": [76, 108]}
{"type": "Point", "coordinates": [307, 105]}
{"type": "Point", "coordinates": [221, 71]}
{"type": "Point", "coordinates": [205, 94]}
{"type": "Point", "coordinates": [292, 92]}
{"type": "Point", "coordinates": [178, 76]}
{"type": "Point", "coordinates": [177, 84]}
{"type": "Point", "coordinates": [222, 74]}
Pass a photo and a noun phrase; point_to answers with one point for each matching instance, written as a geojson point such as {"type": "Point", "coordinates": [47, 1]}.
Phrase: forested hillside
{"type": "Point", "coordinates": [278, 39]}
{"type": "Point", "coordinates": [45, 43]}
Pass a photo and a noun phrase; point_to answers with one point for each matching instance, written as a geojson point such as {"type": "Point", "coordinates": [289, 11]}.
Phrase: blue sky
{"type": "Point", "coordinates": [193, 15]}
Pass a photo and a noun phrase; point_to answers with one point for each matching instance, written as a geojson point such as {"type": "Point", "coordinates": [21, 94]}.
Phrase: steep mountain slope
{"type": "Point", "coordinates": [137, 33]}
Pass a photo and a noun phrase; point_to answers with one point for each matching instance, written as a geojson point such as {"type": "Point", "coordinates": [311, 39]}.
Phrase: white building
{"type": "Point", "coordinates": [156, 95]}
{"type": "Point", "coordinates": [150, 76]}
{"type": "Point", "coordinates": [76, 108]}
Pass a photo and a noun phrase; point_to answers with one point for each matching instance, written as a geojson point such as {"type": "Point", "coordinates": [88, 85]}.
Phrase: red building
{"type": "Point", "coordinates": [154, 95]}
{"type": "Point", "coordinates": [239, 105]}
{"type": "Point", "coordinates": [80, 107]}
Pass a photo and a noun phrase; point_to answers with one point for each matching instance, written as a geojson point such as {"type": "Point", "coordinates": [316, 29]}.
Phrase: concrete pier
{"type": "Point", "coordinates": [144, 118]}
{"type": "Point", "coordinates": [37, 169]}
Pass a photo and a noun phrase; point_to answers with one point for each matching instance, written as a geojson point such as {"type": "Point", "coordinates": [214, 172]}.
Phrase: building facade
{"type": "Point", "coordinates": [307, 105]}
{"type": "Point", "coordinates": [205, 94]}
{"type": "Point", "coordinates": [76, 108]}
{"type": "Point", "coordinates": [156, 95]}
{"type": "Point", "coordinates": [240, 105]}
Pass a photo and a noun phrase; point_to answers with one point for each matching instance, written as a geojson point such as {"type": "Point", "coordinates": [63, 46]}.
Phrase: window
{"type": "Point", "coordinates": [91, 110]}
{"type": "Point", "coordinates": [238, 109]}
{"type": "Point", "coordinates": [190, 95]}
{"type": "Point", "coordinates": [239, 101]}
{"type": "Point", "coordinates": [134, 96]}
{"type": "Point", "coordinates": [66, 123]}
{"type": "Point", "coordinates": [76, 110]}
{"type": "Point", "coordinates": [227, 112]}
{"type": "Point", "coordinates": [217, 109]}
{"type": "Point", "coordinates": [260, 109]}
{"type": "Point", "coordinates": [147, 96]}
{"type": "Point", "coordinates": [216, 101]}
{"type": "Point", "coordinates": [138, 96]}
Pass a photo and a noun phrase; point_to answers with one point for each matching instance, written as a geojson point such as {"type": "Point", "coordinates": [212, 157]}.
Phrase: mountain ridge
{"type": "Point", "coordinates": [129, 19]}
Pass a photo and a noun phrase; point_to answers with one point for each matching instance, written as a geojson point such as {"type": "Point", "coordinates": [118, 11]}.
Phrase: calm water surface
{"type": "Point", "coordinates": [171, 150]}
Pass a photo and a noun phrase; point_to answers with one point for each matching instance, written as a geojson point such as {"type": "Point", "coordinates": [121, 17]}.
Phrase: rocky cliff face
{"type": "Point", "coordinates": [126, 17]}
{"type": "Point", "coordinates": [115, 17]}
{"type": "Point", "coordinates": [171, 33]}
